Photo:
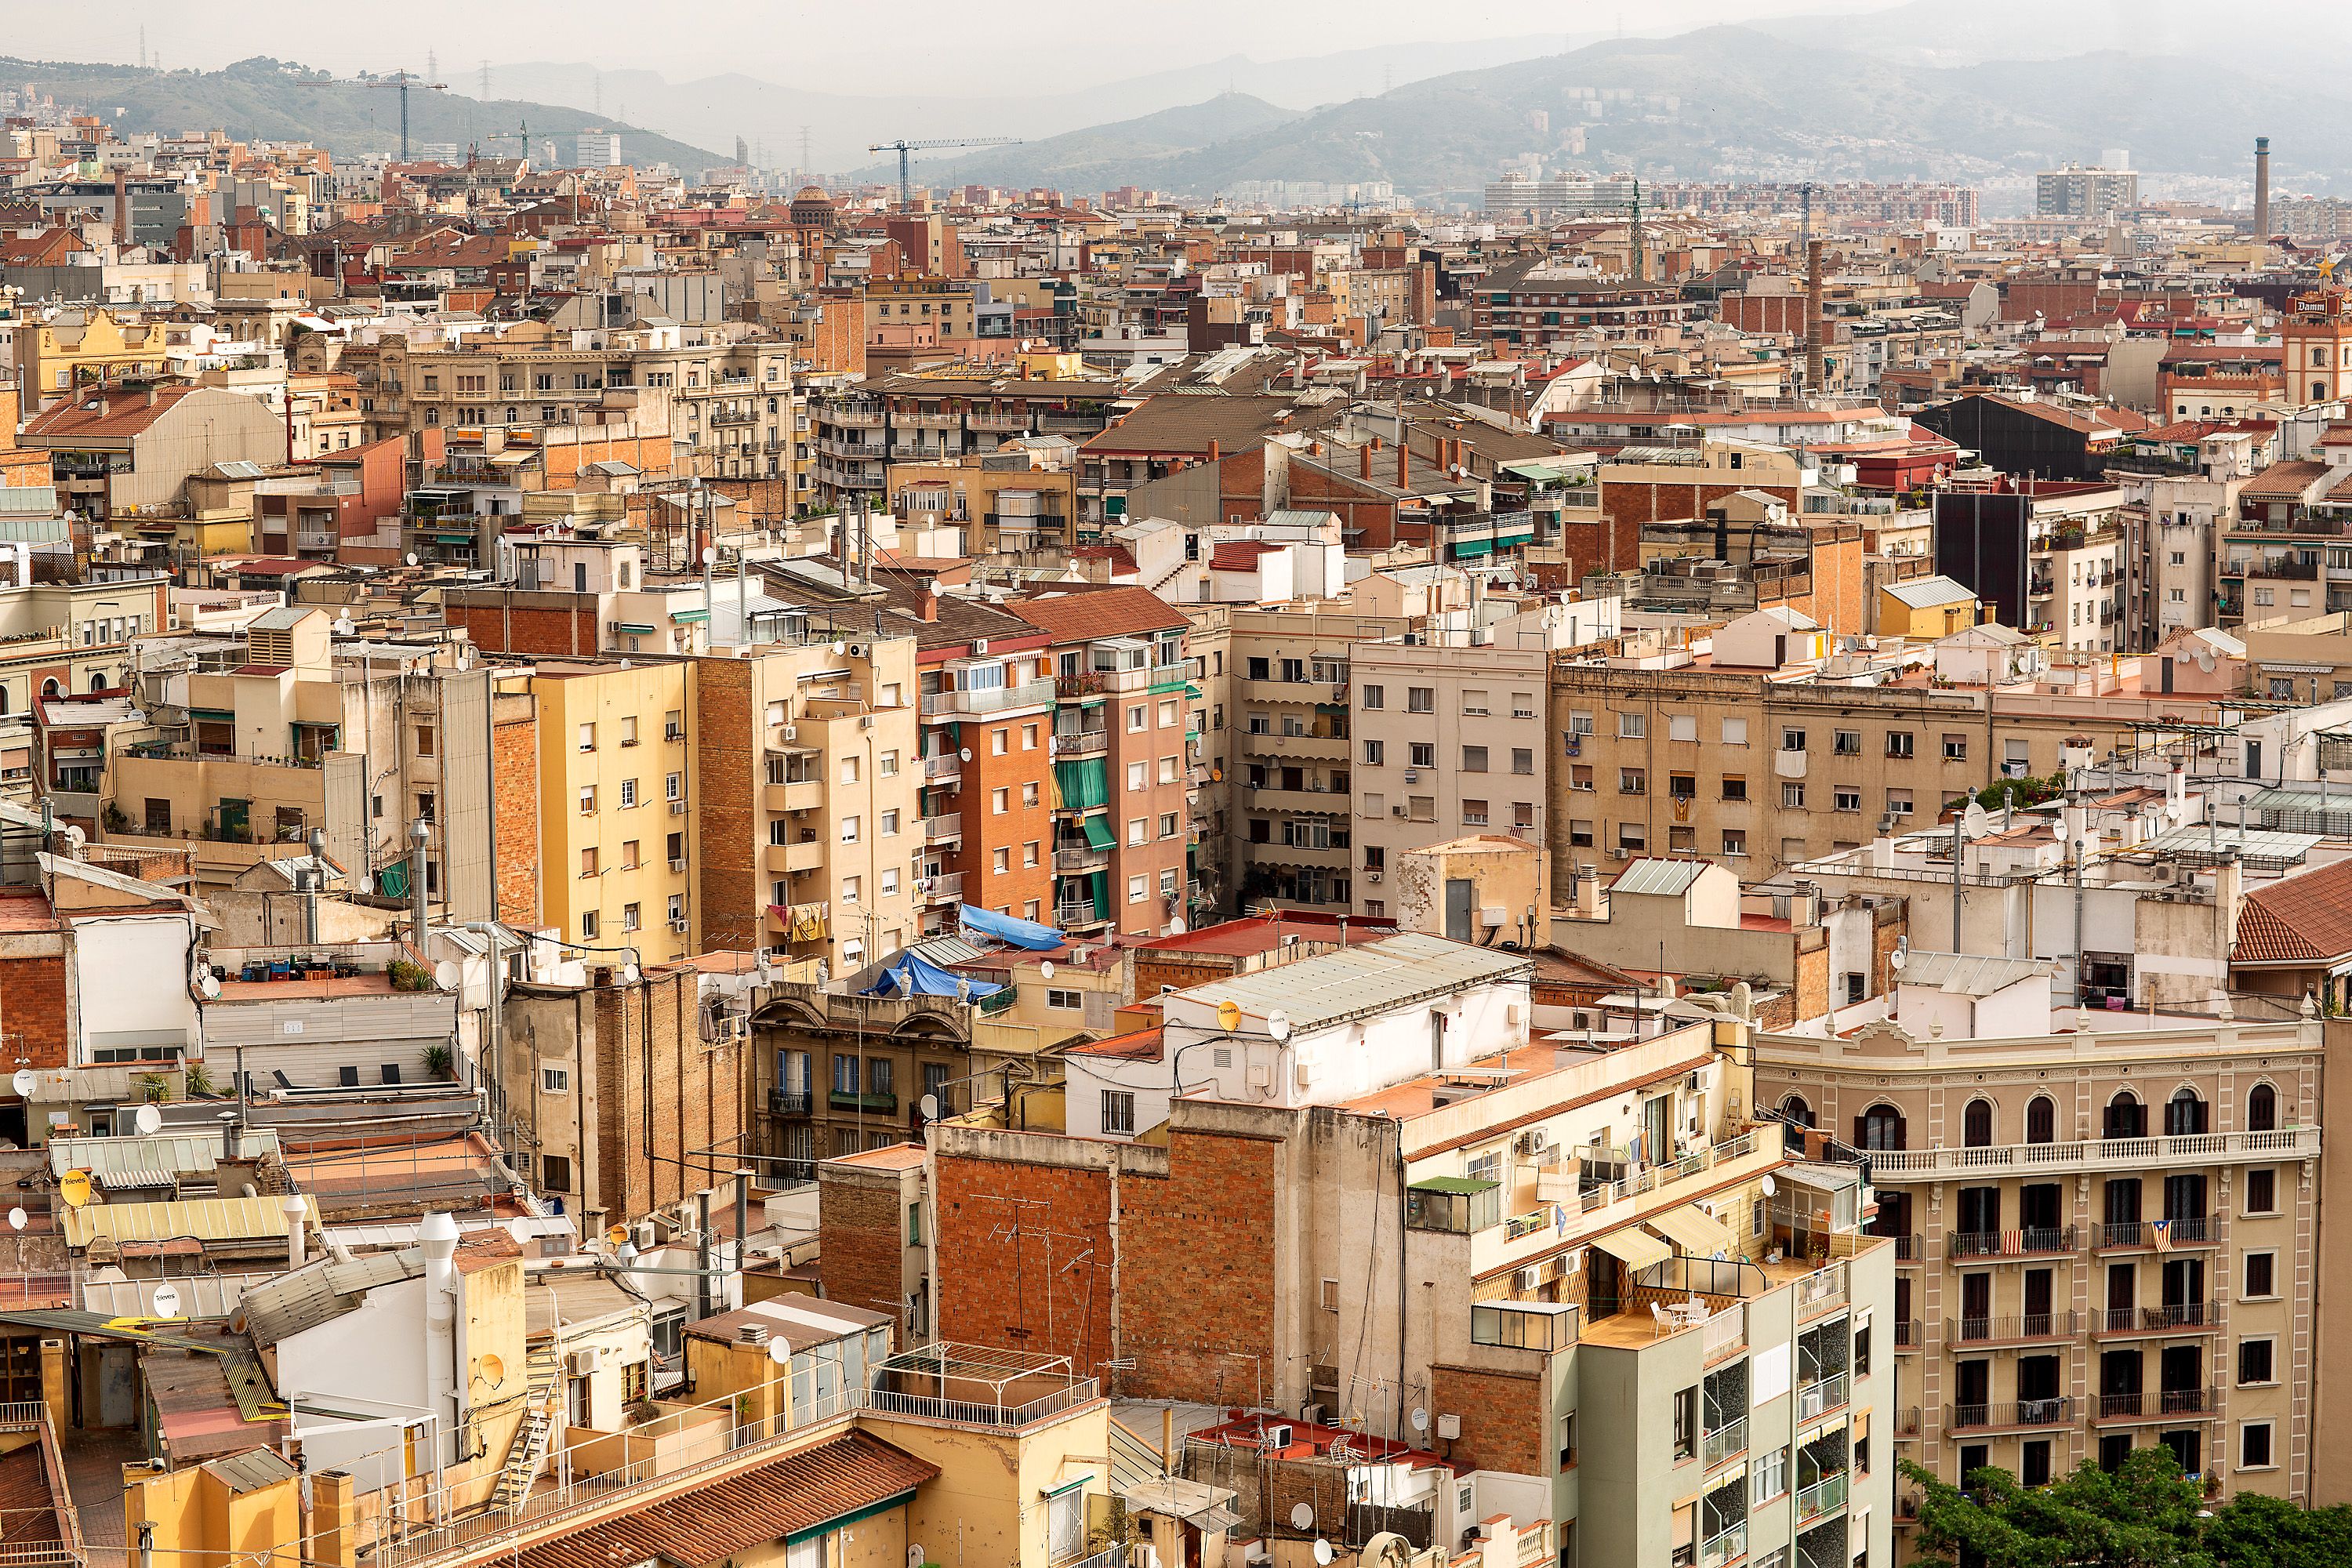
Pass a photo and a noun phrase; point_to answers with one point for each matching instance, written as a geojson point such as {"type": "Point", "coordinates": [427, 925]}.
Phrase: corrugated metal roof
{"type": "Point", "coordinates": [164, 1154]}
{"type": "Point", "coordinates": [251, 1470]}
{"type": "Point", "coordinates": [202, 1219]}
{"type": "Point", "coordinates": [1366, 979]}
{"type": "Point", "coordinates": [1924, 593]}
{"type": "Point", "coordinates": [1970, 974]}
{"type": "Point", "coordinates": [321, 1291]}
{"type": "Point", "coordinates": [1660, 877]}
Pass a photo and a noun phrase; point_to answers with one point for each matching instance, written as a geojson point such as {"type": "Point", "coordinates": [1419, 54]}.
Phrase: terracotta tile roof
{"type": "Point", "coordinates": [1184, 423]}
{"type": "Point", "coordinates": [1239, 555]}
{"type": "Point", "coordinates": [1075, 612]}
{"type": "Point", "coordinates": [751, 1510]}
{"type": "Point", "coordinates": [48, 249]}
{"type": "Point", "coordinates": [2302, 920]}
{"type": "Point", "coordinates": [107, 415]}
{"type": "Point", "coordinates": [2283, 481]}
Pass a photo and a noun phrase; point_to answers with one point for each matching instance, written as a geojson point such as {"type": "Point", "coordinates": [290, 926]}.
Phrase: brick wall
{"type": "Point", "coordinates": [32, 1006]}
{"type": "Point", "coordinates": [861, 1220]}
{"type": "Point", "coordinates": [729, 894]}
{"type": "Point", "coordinates": [1010, 1244]}
{"type": "Point", "coordinates": [986, 831]}
{"type": "Point", "coordinates": [514, 786]}
{"type": "Point", "coordinates": [1502, 1418]}
{"type": "Point", "coordinates": [1197, 1269]}
{"type": "Point", "coordinates": [666, 1097]}
{"type": "Point", "coordinates": [501, 627]}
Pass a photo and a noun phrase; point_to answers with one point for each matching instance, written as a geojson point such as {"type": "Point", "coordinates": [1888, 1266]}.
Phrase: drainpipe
{"type": "Point", "coordinates": [439, 1234]}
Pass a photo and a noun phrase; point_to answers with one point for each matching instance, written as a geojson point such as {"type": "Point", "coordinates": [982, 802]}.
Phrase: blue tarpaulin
{"type": "Point", "coordinates": [1025, 934]}
{"type": "Point", "coordinates": [908, 975]}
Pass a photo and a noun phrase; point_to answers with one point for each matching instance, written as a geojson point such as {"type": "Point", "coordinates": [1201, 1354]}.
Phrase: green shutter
{"type": "Point", "coordinates": [1098, 832]}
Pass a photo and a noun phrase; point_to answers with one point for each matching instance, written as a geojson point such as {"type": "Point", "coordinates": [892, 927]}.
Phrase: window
{"type": "Point", "coordinates": [1735, 843]}
{"type": "Point", "coordinates": [1474, 759]}
{"type": "Point", "coordinates": [1956, 748]}
{"type": "Point", "coordinates": [887, 824]}
{"type": "Point", "coordinates": [2261, 1283]}
{"type": "Point", "coordinates": [2254, 1364]}
{"type": "Point", "coordinates": [555, 1173]}
{"type": "Point", "coordinates": [587, 737]}
{"type": "Point", "coordinates": [555, 1080]}
{"type": "Point", "coordinates": [1376, 697]}
{"type": "Point", "coordinates": [1632, 781]}
{"type": "Point", "coordinates": [1029, 795]}
{"type": "Point", "coordinates": [1682, 727]}
{"type": "Point", "coordinates": [1735, 731]}
{"type": "Point", "coordinates": [628, 793]}
{"type": "Point", "coordinates": [1899, 743]}
{"type": "Point", "coordinates": [1846, 797]}
{"type": "Point", "coordinates": [1632, 726]}
{"type": "Point", "coordinates": [1135, 776]}
{"type": "Point", "coordinates": [1167, 824]}
{"type": "Point", "coordinates": [1000, 800]}
{"type": "Point", "coordinates": [1420, 754]}
{"type": "Point", "coordinates": [1375, 754]}
{"type": "Point", "coordinates": [632, 917]}
{"type": "Point", "coordinates": [1135, 717]}
{"type": "Point", "coordinates": [2262, 1191]}
{"type": "Point", "coordinates": [849, 829]}
{"type": "Point", "coordinates": [1421, 699]}
{"type": "Point", "coordinates": [2042, 1119]}
{"type": "Point", "coordinates": [1686, 1422]}
{"type": "Point", "coordinates": [1117, 1110]}
{"type": "Point", "coordinates": [1138, 888]}
{"type": "Point", "coordinates": [1064, 1001]}
{"type": "Point", "coordinates": [1735, 786]}
{"type": "Point", "coordinates": [1976, 1124]}
{"type": "Point", "coordinates": [588, 861]}
{"type": "Point", "coordinates": [2261, 1108]}
{"type": "Point", "coordinates": [1792, 796]}
{"type": "Point", "coordinates": [1792, 740]}
{"type": "Point", "coordinates": [1138, 831]}
{"type": "Point", "coordinates": [889, 881]}
{"type": "Point", "coordinates": [2035, 1469]}
{"type": "Point", "coordinates": [588, 925]}
{"type": "Point", "coordinates": [1474, 814]}
{"type": "Point", "coordinates": [1898, 803]}
{"type": "Point", "coordinates": [1001, 859]}
{"type": "Point", "coordinates": [2254, 1445]}
{"type": "Point", "coordinates": [1771, 1472]}
{"type": "Point", "coordinates": [852, 888]}
{"type": "Point", "coordinates": [1523, 760]}
{"type": "Point", "coordinates": [587, 800]}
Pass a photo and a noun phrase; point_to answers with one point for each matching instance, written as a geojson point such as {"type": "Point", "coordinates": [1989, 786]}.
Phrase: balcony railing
{"type": "Point", "coordinates": [988, 699]}
{"type": "Point", "coordinates": [1078, 916]}
{"type": "Point", "coordinates": [845, 1100]}
{"type": "Point", "coordinates": [1725, 1546]}
{"type": "Point", "coordinates": [790, 1101]}
{"type": "Point", "coordinates": [2055, 1412]}
{"type": "Point", "coordinates": [946, 765]}
{"type": "Point", "coordinates": [1651, 1177]}
{"type": "Point", "coordinates": [1815, 1397]}
{"type": "Point", "coordinates": [944, 889]}
{"type": "Point", "coordinates": [1725, 1441]}
{"type": "Point", "coordinates": [2156, 1402]}
{"type": "Point", "coordinates": [1724, 1333]}
{"type": "Point", "coordinates": [1081, 744]}
{"type": "Point", "coordinates": [1910, 1333]}
{"type": "Point", "coordinates": [2180, 1315]}
{"type": "Point", "coordinates": [1820, 1292]}
{"type": "Point", "coordinates": [2027, 1243]}
{"type": "Point", "coordinates": [1994, 1331]}
{"type": "Point", "coordinates": [2111, 1154]}
{"type": "Point", "coordinates": [1822, 1497]}
{"type": "Point", "coordinates": [945, 828]}
{"type": "Point", "coordinates": [1078, 862]}
{"type": "Point", "coordinates": [2188, 1230]}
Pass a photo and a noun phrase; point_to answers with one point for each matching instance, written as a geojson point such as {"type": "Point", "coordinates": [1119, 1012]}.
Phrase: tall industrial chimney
{"type": "Point", "coordinates": [1813, 370]}
{"type": "Point", "coordinates": [2261, 190]}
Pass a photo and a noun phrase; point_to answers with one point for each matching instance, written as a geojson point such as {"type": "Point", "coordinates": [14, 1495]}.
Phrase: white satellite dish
{"type": "Point", "coordinates": [448, 975]}
{"type": "Point", "coordinates": [1176, 926]}
{"type": "Point", "coordinates": [839, 648]}
{"type": "Point", "coordinates": [709, 555]}
{"type": "Point", "coordinates": [345, 626]}
{"type": "Point", "coordinates": [965, 754]}
{"type": "Point", "coordinates": [1420, 1419]}
{"type": "Point", "coordinates": [1302, 1517]}
{"type": "Point", "coordinates": [166, 1301]}
{"type": "Point", "coordinates": [1277, 1024]}
{"type": "Point", "coordinates": [209, 985]}
{"type": "Point", "coordinates": [1769, 1185]}
{"type": "Point", "coordinates": [1902, 953]}
{"type": "Point", "coordinates": [1323, 1552]}
{"type": "Point", "coordinates": [628, 975]}
{"type": "Point", "coordinates": [930, 1106]}
{"type": "Point", "coordinates": [148, 1120]}
{"type": "Point", "coordinates": [16, 1220]}
{"type": "Point", "coordinates": [1975, 820]}
{"type": "Point", "coordinates": [780, 1351]}
{"type": "Point", "coordinates": [412, 558]}
{"type": "Point", "coordinates": [25, 1082]}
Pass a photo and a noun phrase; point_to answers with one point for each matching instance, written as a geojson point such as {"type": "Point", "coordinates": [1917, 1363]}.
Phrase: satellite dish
{"type": "Point", "coordinates": [1277, 1024]}
{"type": "Point", "coordinates": [345, 626]}
{"type": "Point", "coordinates": [1045, 970]}
{"type": "Point", "coordinates": [1902, 953]}
{"type": "Point", "coordinates": [1229, 1015]}
{"type": "Point", "coordinates": [74, 1187]}
{"type": "Point", "coordinates": [412, 558]}
{"type": "Point", "coordinates": [166, 1303]}
{"type": "Point", "coordinates": [930, 1106]}
{"type": "Point", "coordinates": [209, 985]}
{"type": "Point", "coordinates": [25, 1082]}
{"type": "Point", "coordinates": [448, 975]}
{"type": "Point", "coordinates": [493, 1368]}
{"type": "Point", "coordinates": [780, 1351]}
{"type": "Point", "coordinates": [1769, 1185]}
{"type": "Point", "coordinates": [1975, 819]}
{"type": "Point", "coordinates": [1176, 926]}
{"type": "Point", "coordinates": [709, 555]}
{"type": "Point", "coordinates": [964, 755]}
{"type": "Point", "coordinates": [839, 648]}
{"type": "Point", "coordinates": [1302, 1517]}
{"type": "Point", "coordinates": [148, 1120]}
{"type": "Point", "coordinates": [16, 1220]}
{"type": "Point", "coordinates": [1322, 1550]}
{"type": "Point", "coordinates": [1420, 1419]}
{"type": "Point", "coordinates": [628, 975]}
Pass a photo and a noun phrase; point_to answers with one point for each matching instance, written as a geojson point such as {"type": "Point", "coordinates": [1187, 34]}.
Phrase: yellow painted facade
{"type": "Point", "coordinates": [610, 738]}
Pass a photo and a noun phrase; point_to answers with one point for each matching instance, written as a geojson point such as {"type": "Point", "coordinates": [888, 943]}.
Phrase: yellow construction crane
{"type": "Point", "coordinates": [902, 147]}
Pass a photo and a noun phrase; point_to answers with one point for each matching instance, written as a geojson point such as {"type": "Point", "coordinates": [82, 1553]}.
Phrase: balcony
{"type": "Point", "coordinates": [2032, 1242]}
{"type": "Point", "coordinates": [2156, 1405]}
{"type": "Point", "coordinates": [1910, 1333]}
{"type": "Point", "coordinates": [1724, 1334]}
{"type": "Point", "coordinates": [1084, 744]}
{"type": "Point", "coordinates": [2188, 1230]}
{"type": "Point", "coordinates": [807, 795]}
{"type": "Point", "coordinates": [945, 768]}
{"type": "Point", "coordinates": [1827, 1393]}
{"type": "Point", "coordinates": [1079, 917]}
{"type": "Point", "coordinates": [1824, 1496]}
{"type": "Point", "coordinates": [2098, 1154]}
{"type": "Point", "coordinates": [1821, 1292]}
{"type": "Point", "coordinates": [973, 702]}
{"type": "Point", "coordinates": [844, 1100]}
{"type": "Point", "coordinates": [2179, 1318]}
{"type": "Point", "coordinates": [1725, 1441]}
{"type": "Point", "coordinates": [947, 827]}
{"type": "Point", "coordinates": [2023, 1414]}
{"type": "Point", "coordinates": [851, 418]}
{"type": "Point", "coordinates": [944, 889]}
{"type": "Point", "coordinates": [1727, 1546]}
{"type": "Point", "coordinates": [2031, 1329]}
{"type": "Point", "coordinates": [790, 1101]}
{"type": "Point", "coordinates": [853, 451]}
{"type": "Point", "coordinates": [997, 421]}
{"type": "Point", "coordinates": [908, 419]}
{"type": "Point", "coordinates": [794, 858]}
{"type": "Point", "coordinates": [1080, 861]}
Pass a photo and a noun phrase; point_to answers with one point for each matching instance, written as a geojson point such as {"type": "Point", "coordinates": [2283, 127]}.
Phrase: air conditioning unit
{"type": "Point", "coordinates": [679, 865]}
{"type": "Point", "coordinates": [857, 650]}
{"type": "Point", "coordinates": [1275, 1437]}
{"type": "Point", "coordinates": [678, 925]}
{"type": "Point", "coordinates": [1411, 776]}
{"type": "Point", "coordinates": [1396, 811]}
{"type": "Point", "coordinates": [1522, 1280]}
{"type": "Point", "coordinates": [677, 808]}
{"type": "Point", "coordinates": [791, 733]}
{"type": "Point", "coordinates": [581, 1362]}
{"type": "Point", "coordinates": [1372, 876]}
{"type": "Point", "coordinates": [1526, 1145]}
{"type": "Point", "coordinates": [865, 721]}
{"type": "Point", "coordinates": [978, 648]}
{"type": "Point", "coordinates": [1312, 1414]}
{"type": "Point", "coordinates": [1619, 852]}
{"type": "Point", "coordinates": [1449, 1427]}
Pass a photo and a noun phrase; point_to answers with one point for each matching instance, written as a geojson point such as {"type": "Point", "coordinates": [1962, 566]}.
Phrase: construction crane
{"type": "Point", "coordinates": [902, 147]}
{"type": "Point", "coordinates": [403, 81]}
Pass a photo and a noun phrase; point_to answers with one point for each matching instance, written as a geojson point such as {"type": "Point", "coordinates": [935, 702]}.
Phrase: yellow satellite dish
{"type": "Point", "coordinates": [1229, 1018]}
{"type": "Point", "coordinates": [74, 1187]}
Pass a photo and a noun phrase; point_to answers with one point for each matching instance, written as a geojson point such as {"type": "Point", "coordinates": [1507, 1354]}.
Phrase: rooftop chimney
{"type": "Point", "coordinates": [1364, 459]}
{"type": "Point", "coordinates": [121, 208]}
{"type": "Point", "coordinates": [1814, 373]}
{"type": "Point", "coordinates": [2261, 190]}
{"type": "Point", "coordinates": [1404, 467]}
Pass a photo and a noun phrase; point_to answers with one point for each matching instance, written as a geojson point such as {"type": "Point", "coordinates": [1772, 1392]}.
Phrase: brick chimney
{"type": "Point", "coordinates": [1404, 467]}
{"type": "Point", "coordinates": [929, 607]}
{"type": "Point", "coordinates": [1364, 453]}
{"type": "Point", "coordinates": [1216, 450]}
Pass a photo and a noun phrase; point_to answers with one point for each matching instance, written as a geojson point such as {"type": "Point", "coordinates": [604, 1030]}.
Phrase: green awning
{"type": "Point", "coordinates": [1162, 688]}
{"type": "Point", "coordinates": [1098, 832]}
{"type": "Point", "coordinates": [635, 629]}
{"type": "Point", "coordinates": [1464, 1186]}
{"type": "Point", "coordinates": [1083, 785]}
{"type": "Point", "coordinates": [680, 618]}
{"type": "Point", "coordinates": [1101, 880]}
{"type": "Point", "coordinates": [1466, 548]}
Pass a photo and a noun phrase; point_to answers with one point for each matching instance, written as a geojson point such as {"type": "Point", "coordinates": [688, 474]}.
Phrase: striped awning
{"type": "Point", "coordinates": [1697, 1233]}
{"type": "Point", "coordinates": [1633, 1247]}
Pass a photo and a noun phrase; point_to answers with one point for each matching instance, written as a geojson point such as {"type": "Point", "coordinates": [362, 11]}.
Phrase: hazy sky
{"type": "Point", "coordinates": [838, 37]}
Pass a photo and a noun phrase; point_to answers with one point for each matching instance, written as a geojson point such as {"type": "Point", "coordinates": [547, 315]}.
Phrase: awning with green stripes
{"type": "Point", "coordinates": [1083, 785]}
{"type": "Point", "coordinates": [1098, 832]}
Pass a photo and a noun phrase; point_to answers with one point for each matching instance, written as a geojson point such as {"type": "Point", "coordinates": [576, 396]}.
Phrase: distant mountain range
{"type": "Point", "coordinates": [1727, 102]}
{"type": "Point", "coordinates": [262, 97]}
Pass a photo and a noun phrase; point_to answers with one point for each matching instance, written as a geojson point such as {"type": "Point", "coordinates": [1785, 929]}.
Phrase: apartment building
{"type": "Point", "coordinates": [2104, 1238]}
{"type": "Point", "coordinates": [1122, 835]}
{"type": "Point", "coordinates": [1765, 772]}
{"type": "Point", "coordinates": [1383, 1112]}
{"type": "Point", "coordinates": [988, 750]}
{"type": "Point", "coordinates": [118, 454]}
{"type": "Point", "coordinates": [943, 420]}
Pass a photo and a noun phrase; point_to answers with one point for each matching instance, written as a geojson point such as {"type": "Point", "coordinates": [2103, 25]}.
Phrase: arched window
{"type": "Point", "coordinates": [98, 680]}
{"type": "Point", "coordinates": [1976, 1124]}
{"type": "Point", "coordinates": [2126, 1117]}
{"type": "Point", "coordinates": [2042, 1119]}
{"type": "Point", "coordinates": [5, 704]}
{"type": "Point", "coordinates": [1795, 1108]}
{"type": "Point", "coordinates": [50, 688]}
{"type": "Point", "coordinates": [1880, 1127]}
{"type": "Point", "coordinates": [2184, 1113]}
{"type": "Point", "coordinates": [2262, 1109]}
